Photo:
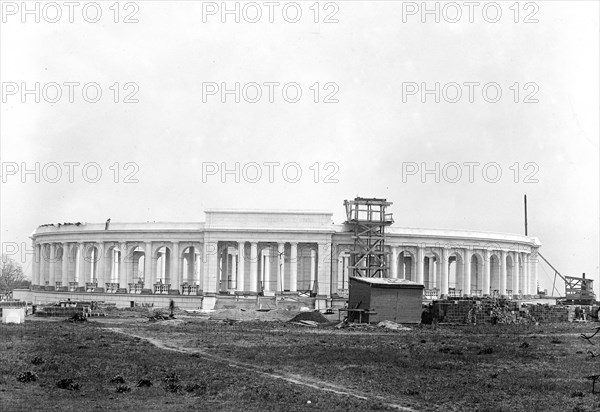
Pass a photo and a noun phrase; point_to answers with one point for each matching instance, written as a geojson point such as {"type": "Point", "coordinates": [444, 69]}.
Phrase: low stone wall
{"type": "Point", "coordinates": [504, 311]}
{"type": "Point", "coordinates": [13, 304]}
{"type": "Point", "coordinates": [40, 297]}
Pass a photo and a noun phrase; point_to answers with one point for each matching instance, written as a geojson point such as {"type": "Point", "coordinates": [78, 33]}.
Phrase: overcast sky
{"type": "Point", "coordinates": [371, 131]}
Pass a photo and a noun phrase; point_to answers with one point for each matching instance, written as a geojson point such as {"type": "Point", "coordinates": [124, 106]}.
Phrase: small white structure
{"type": "Point", "coordinates": [13, 315]}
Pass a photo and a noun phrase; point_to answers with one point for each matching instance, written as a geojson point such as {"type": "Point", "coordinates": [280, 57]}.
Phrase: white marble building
{"type": "Point", "coordinates": [243, 253]}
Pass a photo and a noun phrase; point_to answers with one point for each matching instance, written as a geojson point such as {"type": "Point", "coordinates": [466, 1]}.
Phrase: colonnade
{"type": "Point", "coordinates": [467, 271]}
{"type": "Point", "coordinates": [128, 267]}
{"type": "Point", "coordinates": [252, 267]}
{"type": "Point", "coordinates": [269, 267]}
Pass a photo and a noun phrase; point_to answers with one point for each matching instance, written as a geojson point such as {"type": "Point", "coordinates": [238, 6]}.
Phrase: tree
{"type": "Point", "coordinates": [12, 275]}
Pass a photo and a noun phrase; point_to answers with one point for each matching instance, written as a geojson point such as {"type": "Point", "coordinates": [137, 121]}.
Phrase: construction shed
{"type": "Point", "coordinates": [377, 299]}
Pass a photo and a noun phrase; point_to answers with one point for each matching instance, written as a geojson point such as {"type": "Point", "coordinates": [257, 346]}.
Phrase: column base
{"type": "Point", "coordinates": [209, 302]}
{"type": "Point", "coordinates": [321, 302]}
{"type": "Point", "coordinates": [99, 290]}
{"type": "Point", "coordinates": [173, 292]}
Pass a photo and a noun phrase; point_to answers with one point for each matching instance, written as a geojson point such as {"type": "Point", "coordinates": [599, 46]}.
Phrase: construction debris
{"type": "Point", "coordinates": [316, 317]}
{"type": "Point", "coordinates": [310, 323]}
{"type": "Point", "coordinates": [388, 324]}
{"type": "Point", "coordinates": [501, 311]}
{"type": "Point", "coordinates": [77, 317]}
{"type": "Point", "coordinates": [160, 316]}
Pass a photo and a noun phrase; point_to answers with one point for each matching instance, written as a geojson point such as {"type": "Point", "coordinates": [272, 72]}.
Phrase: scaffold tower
{"type": "Point", "coordinates": [368, 219]}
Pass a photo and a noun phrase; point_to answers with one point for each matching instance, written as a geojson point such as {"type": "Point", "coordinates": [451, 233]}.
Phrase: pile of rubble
{"type": "Point", "coordinates": [158, 316]}
{"type": "Point", "coordinates": [312, 319]}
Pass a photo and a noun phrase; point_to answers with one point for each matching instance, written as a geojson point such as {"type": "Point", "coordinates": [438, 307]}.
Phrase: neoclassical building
{"type": "Point", "coordinates": [243, 253]}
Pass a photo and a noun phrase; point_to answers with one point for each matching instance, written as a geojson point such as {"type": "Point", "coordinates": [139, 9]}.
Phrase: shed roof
{"type": "Point", "coordinates": [389, 283]}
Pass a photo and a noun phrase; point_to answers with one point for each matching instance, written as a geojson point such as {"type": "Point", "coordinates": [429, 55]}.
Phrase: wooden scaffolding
{"type": "Point", "coordinates": [368, 219]}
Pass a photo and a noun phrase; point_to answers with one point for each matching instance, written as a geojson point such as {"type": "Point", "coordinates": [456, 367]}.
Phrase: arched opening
{"type": "Point", "coordinates": [112, 263]}
{"type": "Point", "coordinates": [72, 269]}
{"type": "Point", "coordinates": [343, 272]}
{"type": "Point", "coordinates": [431, 275]}
{"type": "Point", "coordinates": [45, 265]}
{"type": "Point", "coordinates": [136, 257]}
{"type": "Point", "coordinates": [476, 275]}
{"type": "Point", "coordinates": [90, 267]}
{"type": "Point", "coordinates": [191, 270]}
{"type": "Point", "coordinates": [510, 275]}
{"type": "Point", "coordinates": [228, 263]}
{"type": "Point", "coordinates": [455, 274]}
{"type": "Point", "coordinates": [62, 260]}
{"type": "Point", "coordinates": [406, 262]}
{"type": "Point", "coordinates": [163, 270]}
{"type": "Point", "coordinates": [307, 269]}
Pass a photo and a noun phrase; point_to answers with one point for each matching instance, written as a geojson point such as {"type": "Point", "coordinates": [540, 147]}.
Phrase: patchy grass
{"type": "Point", "coordinates": [479, 368]}
{"type": "Point", "coordinates": [86, 367]}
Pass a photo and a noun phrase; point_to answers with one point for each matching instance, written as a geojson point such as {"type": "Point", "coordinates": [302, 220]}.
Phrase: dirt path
{"type": "Point", "coordinates": [288, 377]}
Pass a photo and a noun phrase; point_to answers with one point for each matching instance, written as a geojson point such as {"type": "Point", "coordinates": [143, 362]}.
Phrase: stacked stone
{"type": "Point", "coordinates": [548, 313]}
{"type": "Point", "coordinates": [57, 311]}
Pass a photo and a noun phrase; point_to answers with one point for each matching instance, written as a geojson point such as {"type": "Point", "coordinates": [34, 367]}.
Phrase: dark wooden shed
{"type": "Point", "coordinates": [398, 300]}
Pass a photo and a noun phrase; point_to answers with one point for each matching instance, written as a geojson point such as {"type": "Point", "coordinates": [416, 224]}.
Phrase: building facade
{"type": "Point", "coordinates": [244, 253]}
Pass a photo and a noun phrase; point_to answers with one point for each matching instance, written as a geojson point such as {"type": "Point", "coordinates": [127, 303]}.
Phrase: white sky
{"type": "Point", "coordinates": [369, 134]}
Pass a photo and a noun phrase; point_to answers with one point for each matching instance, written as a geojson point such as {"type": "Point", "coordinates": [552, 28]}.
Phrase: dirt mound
{"type": "Point", "coordinates": [312, 316]}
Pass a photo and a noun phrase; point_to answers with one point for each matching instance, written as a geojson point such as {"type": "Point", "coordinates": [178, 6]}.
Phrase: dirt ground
{"type": "Point", "coordinates": [250, 360]}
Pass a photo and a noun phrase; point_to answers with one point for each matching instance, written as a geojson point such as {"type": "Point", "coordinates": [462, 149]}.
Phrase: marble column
{"type": "Point", "coordinates": [280, 267]}
{"type": "Point", "coordinates": [101, 265]}
{"type": "Point", "coordinates": [241, 266]}
{"type": "Point", "coordinates": [52, 271]}
{"type": "Point", "coordinates": [80, 265]}
{"type": "Point", "coordinates": [444, 272]}
{"type": "Point", "coordinates": [394, 263]}
{"type": "Point", "coordinates": [486, 272]}
{"type": "Point", "coordinates": [515, 273]}
{"type": "Point", "coordinates": [148, 265]}
{"type": "Point", "coordinates": [253, 267]}
{"type": "Point", "coordinates": [525, 277]}
{"type": "Point", "coordinates": [323, 264]}
{"type": "Point", "coordinates": [467, 273]}
{"type": "Point", "coordinates": [122, 266]}
{"type": "Point", "coordinates": [294, 267]}
{"type": "Point", "coordinates": [313, 265]}
{"type": "Point", "coordinates": [503, 272]}
{"type": "Point", "coordinates": [65, 265]}
{"type": "Point", "coordinates": [533, 277]}
{"type": "Point", "coordinates": [43, 263]}
{"type": "Point", "coordinates": [234, 274]}
{"type": "Point", "coordinates": [420, 264]}
{"type": "Point", "coordinates": [266, 269]}
{"type": "Point", "coordinates": [175, 273]}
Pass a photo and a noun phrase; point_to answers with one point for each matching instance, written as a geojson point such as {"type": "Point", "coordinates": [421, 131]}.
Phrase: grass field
{"type": "Point", "coordinates": [183, 364]}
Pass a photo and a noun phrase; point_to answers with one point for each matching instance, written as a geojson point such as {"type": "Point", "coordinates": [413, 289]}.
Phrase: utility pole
{"type": "Point", "coordinates": [525, 200]}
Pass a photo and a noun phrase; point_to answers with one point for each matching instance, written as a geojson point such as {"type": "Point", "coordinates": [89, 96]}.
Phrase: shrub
{"type": "Point", "coordinates": [26, 377]}
{"type": "Point", "coordinates": [123, 389]}
{"type": "Point", "coordinates": [117, 379]}
{"type": "Point", "coordinates": [68, 384]}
